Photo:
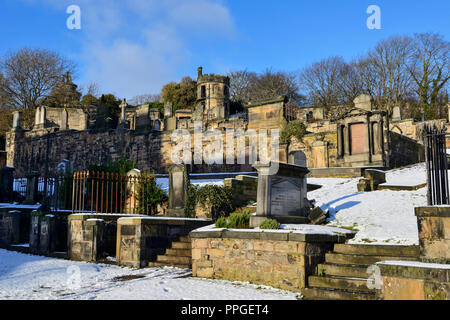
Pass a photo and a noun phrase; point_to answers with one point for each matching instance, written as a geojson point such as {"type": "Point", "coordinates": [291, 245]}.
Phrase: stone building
{"type": "Point", "coordinates": [362, 136]}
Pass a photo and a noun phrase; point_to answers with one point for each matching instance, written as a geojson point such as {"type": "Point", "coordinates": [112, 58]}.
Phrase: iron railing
{"type": "Point", "coordinates": [436, 163]}
{"type": "Point", "coordinates": [104, 192]}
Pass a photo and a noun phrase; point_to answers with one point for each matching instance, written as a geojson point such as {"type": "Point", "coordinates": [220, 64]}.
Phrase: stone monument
{"type": "Point", "coordinates": [281, 196]}
{"type": "Point", "coordinates": [178, 188]}
{"type": "Point", "coordinates": [32, 188]}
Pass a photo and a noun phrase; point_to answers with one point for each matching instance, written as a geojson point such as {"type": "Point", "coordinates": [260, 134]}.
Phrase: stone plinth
{"type": "Point", "coordinates": [434, 233]}
{"type": "Point", "coordinates": [35, 231]}
{"type": "Point", "coordinates": [47, 236]}
{"type": "Point", "coordinates": [279, 258]}
{"type": "Point", "coordinates": [281, 194]}
{"type": "Point", "coordinates": [141, 239]}
{"type": "Point", "coordinates": [9, 227]}
{"type": "Point", "coordinates": [87, 237]}
{"type": "Point", "coordinates": [406, 280]}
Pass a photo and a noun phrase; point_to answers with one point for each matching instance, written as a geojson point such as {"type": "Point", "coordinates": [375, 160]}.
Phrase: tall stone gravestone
{"type": "Point", "coordinates": [178, 188]}
{"type": "Point", "coordinates": [281, 196]}
{"type": "Point", "coordinates": [32, 187]}
{"type": "Point", "coordinates": [6, 184]}
{"type": "Point", "coordinates": [396, 114]}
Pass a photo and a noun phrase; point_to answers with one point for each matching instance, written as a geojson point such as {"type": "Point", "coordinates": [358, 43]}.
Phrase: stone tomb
{"type": "Point", "coordinates": [281, 195]}
{"type": "Point", "coordinates": [178, 185]}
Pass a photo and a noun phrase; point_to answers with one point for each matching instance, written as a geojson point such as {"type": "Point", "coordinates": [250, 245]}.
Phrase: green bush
{"type": "Point", "coordinates": [218, 198]}
{"type": "Point", "coordinates": [292, 129]}
{"type": "Point", "coordinates": [269, 224]}
{"type": "Point", "coordinates": [237, 220]}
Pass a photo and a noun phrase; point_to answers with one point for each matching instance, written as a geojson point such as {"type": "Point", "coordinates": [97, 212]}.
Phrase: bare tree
{"type": "Point", "coordinates": [241, 82]}
{"type": "Point", "coordinates": [323, 81]}
{"type": "Point", "coordinates": [429, 67]}
{"type": "Point", "coordinates": [385, 71]}
{"type": "Point", "coordinates": [271, 84]}
{"type": "Point", "coordinates": [30, 74]}
{"type": "Point", "coordinates": [145, 98]}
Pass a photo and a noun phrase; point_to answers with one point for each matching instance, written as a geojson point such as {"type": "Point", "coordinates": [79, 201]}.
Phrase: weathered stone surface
{"type": "Point", "coordinates": [434, 233]}
{"type": "Point", "coordinates": [6, 184]}
{"type": "Point", "coordinates": [9, 227]}
{"type": "Point", "coordinates": [279, 263]}
{"type": "Point", "coordinates": [178, 185]}
{"type": "Point", "coordinates": [424, 281]}
{"type": "Point", "coordinates": [317, 216]}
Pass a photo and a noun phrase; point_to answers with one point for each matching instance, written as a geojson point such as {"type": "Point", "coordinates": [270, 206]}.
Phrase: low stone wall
{"type": "Point", "coordinates": [141, 239]}
{"type": "Point", "coordinates": [282, 259]}
{"type": "Point", "coordinates": [337, 172]}
{"type": "Point", "coordinates": [434, 233]}
{"type": "Point", "coordinates": [406, 280]}
{"type": "Point", "coordinates": [91, 237]}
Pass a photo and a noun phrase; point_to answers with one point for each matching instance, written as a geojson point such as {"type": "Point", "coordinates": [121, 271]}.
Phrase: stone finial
{"type": "Point", "coordinates": [199, 72]}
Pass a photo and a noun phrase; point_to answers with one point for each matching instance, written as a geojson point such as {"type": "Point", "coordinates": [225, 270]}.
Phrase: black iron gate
{"type": "Point", "coordinates": [436, 162]}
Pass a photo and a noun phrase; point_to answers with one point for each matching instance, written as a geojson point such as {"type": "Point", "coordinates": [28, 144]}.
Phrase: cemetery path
{"type": "Point", "coordinates": [24, 276]}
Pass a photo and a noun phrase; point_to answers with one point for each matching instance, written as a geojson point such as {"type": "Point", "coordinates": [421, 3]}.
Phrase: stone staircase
{"type": "Point", "coordinates": [343, 275]}
{"type": "Point", "coordinates": [179, 255]}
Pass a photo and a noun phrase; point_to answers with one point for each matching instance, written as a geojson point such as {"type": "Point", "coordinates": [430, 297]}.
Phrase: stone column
{"type": "Point", "coordinates": [132, 201]}
{"type": "Point", "coordinates": [123, 107]}
{"type": "Point", "coordinates": [347, 139]}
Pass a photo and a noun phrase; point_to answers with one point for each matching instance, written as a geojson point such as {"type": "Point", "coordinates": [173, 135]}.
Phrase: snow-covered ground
{"type": "Point", "coordinates": [25, 276]}
{"type": "Point", "coordinates": [382, 217]}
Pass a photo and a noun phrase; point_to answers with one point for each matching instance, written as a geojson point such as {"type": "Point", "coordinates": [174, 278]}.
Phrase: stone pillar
{"type": "Point", "coordinates": [85, 238]}
{"type": "Point", "coordinates": [40, 117]}
{"type": "Point", "coordinates": [35, 231]}
{"type": "Point", "coordinates": [396, 114]}
{"type": "Point", "coordinates": [47, 235]}
{"type": "Point", "coordinates": [123, 107]}
{"type": "Point", "coordinates": [9, 228]}
{"type": "Point", "coordinates": [6, 184]}
{"type": "Point", "coordinates": [434, 233]}
{"type": "Point", "coordinates": [281, 196]}
{"type": "Point", "coordinates": [346, 140]}
{"type": "Point", "coordinates": [64, 120]}
{"type": "Point", "coordinates": [132, 201]}
{"type": "Point", "coordinates": [178, 186]}
{"type": "Point", "coordinates": [32, 187]}
{"type": "Point", "coordinates": [16, 120]}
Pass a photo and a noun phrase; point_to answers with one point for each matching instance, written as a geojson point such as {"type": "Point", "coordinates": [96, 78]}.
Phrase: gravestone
{"type": "Point", "coordinates": [396, 114]}
{"type": "Point", "coordinates": [281, 196]}
{"type": "Point", "coordinates": [35, 231]}
{"type": "Point", "coordinates": [178, 186]}
{"type": "Point", "coordinates": [6, 184]}
{"type": "Point", "coordinates": [32, 187]}
{"type": "Point", "coordinates": [16, 120]}
{"type": "Point", "coordinates": [363, 101]}
{"type": "Point", "coordinates": [64, 167]}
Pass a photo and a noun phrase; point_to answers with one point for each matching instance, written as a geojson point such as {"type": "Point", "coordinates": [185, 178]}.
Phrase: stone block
{"type": "Point", "coordinates": [47, 236]}
{"type": "Point", "coordinates": [364, 185]}
{"type": "Point", "coordinates": [35, 231]}
{"type": "Point", "coordinates": [317, 216]}
{"type": "Point", "coordinates": [9, 228]}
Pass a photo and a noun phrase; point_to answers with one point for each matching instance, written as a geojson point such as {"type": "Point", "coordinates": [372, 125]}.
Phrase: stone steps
{"type": "Point", "coordinates": [343, 275]}
{"type": "Point", "coordinates": [378, 250]}
{"type": "Point", "coordinates": [178, 255]}
{"type": "Point", "coordinates": [330, 294]}
{"type": "Point", "coordinates": [181, 245]}
{"type": "Point", "coordinates": [342, 270]}
{"type": "Point", "coordinates": [343, 283]}
{"type": "Point", "coordinates": [360, 260]}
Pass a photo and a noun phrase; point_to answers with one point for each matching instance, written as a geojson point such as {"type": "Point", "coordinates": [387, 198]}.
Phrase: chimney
{"type": "Point", "coordinates": [200, 72]}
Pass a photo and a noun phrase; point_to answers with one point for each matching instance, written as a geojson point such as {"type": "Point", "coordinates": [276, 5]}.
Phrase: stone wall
{"type": "Point", "coordinates": [243, 188]}
{"type": "Point", "coordinates": [279, 259]}
{"type": "Point", "coordinates": [141, 239]}
{"type": "Point", "coordinates": [434, 233]}
{"type": "Point", "coordinates": [404, 151]}
{"type": "Point", "coordinates": [403, 280]}
{"type": "Point", "coordinates": [3, 156]}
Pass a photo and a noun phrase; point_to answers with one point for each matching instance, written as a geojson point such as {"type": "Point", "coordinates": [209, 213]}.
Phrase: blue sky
{"type": "Point", "coordinates": [132, 47]}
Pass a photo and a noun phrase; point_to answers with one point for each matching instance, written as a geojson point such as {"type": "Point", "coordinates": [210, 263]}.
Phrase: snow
{"type": "Point", "coordinates": [25, 277]}
{"type": "Point", "coordinates": [382, 217]}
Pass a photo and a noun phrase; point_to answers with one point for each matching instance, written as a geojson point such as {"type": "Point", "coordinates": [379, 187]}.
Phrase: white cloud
{"type": "Point", "coordinates": [134, 47]}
